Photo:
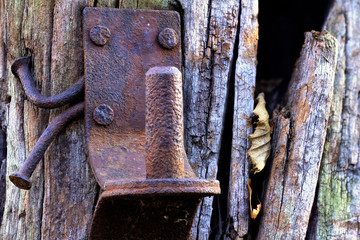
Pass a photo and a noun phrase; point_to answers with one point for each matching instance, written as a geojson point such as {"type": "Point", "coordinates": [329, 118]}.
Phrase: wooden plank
{"type": "Point", "coordinates": [70, 187]}
{"type": "Point", "coordinates": [13, 224]}
{"type": "Point", "coordinates": [210, 29]}
{"type": "Point", "coordinates": [245, 78]}
{"type": "Point", "coordinates": [338, 210]}
{"type": "Point", "coordinates": [292, 183]}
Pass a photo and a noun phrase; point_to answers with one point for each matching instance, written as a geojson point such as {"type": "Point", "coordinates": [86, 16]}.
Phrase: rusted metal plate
{"type": "Point", "coordinates": [120, 46]}
{"type": "Point", "coordinates": [135, 143]}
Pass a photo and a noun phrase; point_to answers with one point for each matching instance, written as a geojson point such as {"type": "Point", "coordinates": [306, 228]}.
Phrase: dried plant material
{"type": "Point", "coordinates": [260, 139]}
{"type": "Point", "coordinates": [256, 211]}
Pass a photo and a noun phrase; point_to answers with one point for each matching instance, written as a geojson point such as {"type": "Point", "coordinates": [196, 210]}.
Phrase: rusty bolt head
{"type": "Point", "coordinates": [103, 114]}
{"type": "Point", "coordinates": [100, 35]}
{"type": "Point", "coordinates": [168, 38]}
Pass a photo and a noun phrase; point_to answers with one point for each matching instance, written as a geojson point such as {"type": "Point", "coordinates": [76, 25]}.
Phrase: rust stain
{"type": "Point", "coordinates": [250, 37]}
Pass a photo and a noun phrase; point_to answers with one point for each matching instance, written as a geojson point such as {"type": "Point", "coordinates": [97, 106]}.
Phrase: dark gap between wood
{"type": "Point", "coordinates": [219, 216]}
{"type": "Point", "coordinates": [2, 172]}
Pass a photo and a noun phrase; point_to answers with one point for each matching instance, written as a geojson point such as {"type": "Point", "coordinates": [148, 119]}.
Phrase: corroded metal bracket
{"type": "Point", "coordinates": [137, 155]}
{"type": "Point", "coordinates": [134, 125]}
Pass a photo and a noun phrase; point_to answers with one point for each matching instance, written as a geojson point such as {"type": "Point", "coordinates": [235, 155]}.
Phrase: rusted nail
{"type": "Point", "coordinates": [168, 38]}
{"type": "Point", "coordinates": [103, 114]}
{"type": "Point", "coordinates": [100, 35]}
{"type": "Point", "coordinates": [21, 179]}
{"type": "Point", "coordinates": [164, 123]}
{"type": "Point", "coordinates": [21, 69]}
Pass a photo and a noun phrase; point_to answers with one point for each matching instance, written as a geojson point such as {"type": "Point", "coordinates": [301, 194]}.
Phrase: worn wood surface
{"type": "Point", "coordinates": [245, 77]}
{"type": "Point", "coordinates": [297, 152]}
{"type": "Point", "coordinates": [3, 111]}
{"type": "Point", "coordinates": [16, 212]}
{"type": "Point", "coordinates": [49, 211]}
{"type": "Point", "coordinates": [210, 29]}
{"type": "Point", "coordinates": [337, 212]}
{"type": "Point", "coordinates": [70, 188]}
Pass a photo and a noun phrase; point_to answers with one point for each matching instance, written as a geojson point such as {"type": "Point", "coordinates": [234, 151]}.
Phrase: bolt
{"type": "Point", "coordinates": [103, 114]}
{"type": "Point", "coordinates": [100, 35]}
{"type": "Point", "coordinates": [168, 38]}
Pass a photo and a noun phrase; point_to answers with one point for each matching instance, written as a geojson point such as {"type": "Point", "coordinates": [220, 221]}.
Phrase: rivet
{"type": "Point", "coordinates": [100, 35]}
{"type": "Point", "coordinates": [103, 114]}
{"type": "Point", "coordinates": [168, 38]}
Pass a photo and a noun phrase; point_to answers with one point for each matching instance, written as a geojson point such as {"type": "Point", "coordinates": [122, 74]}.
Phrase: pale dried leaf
{"type": "Point", "coordinates": [260, 139]}
{"type": "Point", "coordinates": [256, 211]}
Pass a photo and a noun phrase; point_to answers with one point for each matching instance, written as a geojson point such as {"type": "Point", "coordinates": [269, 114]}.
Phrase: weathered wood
{"type": "Point", "coordinates": [107, 3]}
{"type": "Point", "coordinates": [245, 77]}
{"type": "Point", "coordinates": [337, 212]}
{"type": "Point", "coordinates": [30, 26]}
{"type": "Point", "coordinates": [13, 224]}
{"type": "Point", "coordinates": [292, 183]}
{"type": "Point", "coordinates": [210, 30]}
{"type": "Point", "coordinates": [36, 23]}
{"type": "Point", "coordinates": [70, 188]}
{"type": "Point", "coordinates": [2, 186]}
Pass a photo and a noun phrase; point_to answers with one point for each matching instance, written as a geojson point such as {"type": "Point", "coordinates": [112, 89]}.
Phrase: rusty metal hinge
{"type": "Point", "coordinates": [134, 125]}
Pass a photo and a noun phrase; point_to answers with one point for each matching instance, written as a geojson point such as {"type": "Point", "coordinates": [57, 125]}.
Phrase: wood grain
{"type": "Point", "coordinates": [337, 212]}
{"type": "Point", "coordinates": [210, 29]}
{"type": "Point", "coordinates": [70, 187]}
{"type": "Point", "coordinates": [13, 224]}
{"type": "Point", "coordinates": [245, 78]}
